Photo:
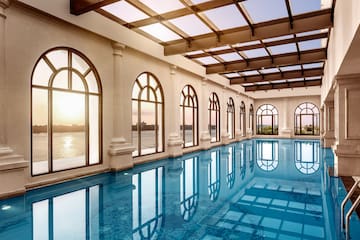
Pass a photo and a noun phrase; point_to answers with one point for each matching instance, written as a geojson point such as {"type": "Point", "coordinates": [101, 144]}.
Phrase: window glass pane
{"type": "Point", "coordinates": [152, 95]}
{"type": "Point", "coordinates": [94, 135]}
{"type": "Point", "coordinates": [42, 74]}
{"type": "Point", "coordinates": [58, 58]}
{"type": "Point", "coordinates": [144, 94]}
{"type": "Point", "coordinates": [161, 6]}
{"type": "Point", "coordinates": [79, 63]}
{"type": "Point", "coordinates": [160, 32]}
{"type": "Point", "coordinates": [61, 80]}
{"type": "Point", "coordinates": [70, 216]}
{"type": "Point", "coordinates": [152, 82]}
{"type": "Point", "coordinates": [40, 131]}
{"type": "Point", "coordinates": [134, 127]}
{"type": "Point", "coordinates": [40, 212]}
{"type": "Point", "coordinates": [159, 95]}
{"type": "Point", "coordinates": [233, 17]}
{"type": "Point", "coordinates": [148, 141]}
{"type": "Point", "coordinates": [125, 11]}
{"type": "Point", "coordinates": [136, 91]}
{"type": "Point", "coordinates": [142, 80]}
{"type": "Point", "coordinates": [191, 25]}
{"type": "Point", "coordinates": [77, 83]}
{"type": "Point", "coordinates": [159, 126]}
{"type": "Point", "coordinates": [92, 83]}
{"type": "Point", "coordinates": [189, 127]}
{"type": "Point", "coordinates": [213, 126]}
{"type": "Point", "coordinates": [68, 130]}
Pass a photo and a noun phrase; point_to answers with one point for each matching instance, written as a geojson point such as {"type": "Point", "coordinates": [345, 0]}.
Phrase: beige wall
{"type": "Point", "coordinates": [286, 109]}
{"type": "Point", "coordinates": [29, 34]}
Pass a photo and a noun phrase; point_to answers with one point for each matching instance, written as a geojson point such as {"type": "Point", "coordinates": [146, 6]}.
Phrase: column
{"type": "Point", "coordinates": [346, 127]}
{"type": "Point", "coordinates": [121, 148]}
{"type": "Point", "coordinates": [204, 116]}
{"type": "Point", "coordinates": [239, 131]}
{"type": "Point", "coordinates": [13, 167]}
{"type": "Point", "coordinates": [173, 118]}
{"type": "Point", "coordinates": [328, 135]}
{"type": "Point", "coordinates": [224, 135]}
{"type": "Point", "coordinates": [285, 131]}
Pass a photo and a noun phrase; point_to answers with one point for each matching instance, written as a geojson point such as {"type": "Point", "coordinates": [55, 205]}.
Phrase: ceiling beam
{"type": "Point", "coordinates": [261, 45]}
{"type": "Point", "coordinates": [78, 7]}
{"type": "Point", "coordinates": [308, 83]}
{"type": "Point", "coordinates": [301, 23]}
{"type": "Point", "coordinates": [310, 56]}
{"type": "Point", "coordinates": [314, 72]}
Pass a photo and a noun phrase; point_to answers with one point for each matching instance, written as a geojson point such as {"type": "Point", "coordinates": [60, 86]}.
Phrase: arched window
{"type": "Point", "coordinates": [267, 155]}
{"type": "Point", "coordinates": [307, 119]}
{"type": "Point", "coordinates": [189, 117]}
{"type": "Point", "coordinates": [214, 176]}
{"type": "Point", "coordinates": [230, 167]}
{"type": "Point", "coordinates": [147, 115]}
{"type": "Point", "coordinates": [243, 119]}
{"type": "Point", "coordinates": [189, 187]}
{"type": "Point", "coordinates": [231, 118]}
{"type": "Point", "coordinates": [66, 112]}
{"type": "Point", "coordinates": [214, 117]}
{"type": "Point", "coordinates": [307, 156]}
{"type": "Point", "coordinates": [267, 120]}
{"type": "Point", "coordinates": [251, 118]}
{"type": "Point", "coordinates": [148, 203]}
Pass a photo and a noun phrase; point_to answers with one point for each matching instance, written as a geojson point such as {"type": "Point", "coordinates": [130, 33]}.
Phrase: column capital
{"type": "Point", "coordinates": [5, 4]}
{"type": "Point", "coordinates": [118, 48]}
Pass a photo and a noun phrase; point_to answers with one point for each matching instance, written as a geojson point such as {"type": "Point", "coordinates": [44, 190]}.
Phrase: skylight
{"type": "Point", "coordinates": [219, 48]}
{"type": "Point", "coordinates": [278, 38]}
{"type": "Point", "coordinates": [250, 73]}
{"type": "Point", "coordinates": [125, 11]}
{"type": "Point", "coordinates": [290, 68]}
{"type": "Point", "coordinates": [233, 17]}
{"type": "Point", "coordinates": [232, 75]}
{"type": "Point", "coordinates": [194, 52]}
{"type": "Point", "coordinates": [228, 57]}
{"type": "Point", "coordinates": [246, 44]}
{"type": "Point", "coordinates": [303, 6]}
{"type": "Point", "coordinates": [163, 6]}
{"type": "Point", "coordinates": [207, 60]}
{"type": "Point", "coordinates": [284, 48]}
{"type": "Point", "coordinates": [255, 53]}
{"type": "Point", "coordinates": [269, 70]}
{"type": "Point", "coordinates": [191, 25]}
{"type": "Point", "coordinates": [160, 32]}
{"type": "Point", "coordinates": [199, 1]}
{"type": "Point", "coordinates": [295, 80]}
{"type": "Point", "coordinates": [265, 10]}
{"type": "Point", "coordinates": [309, 33]}
{"type": "Point", "coordinates": [311, 44]}
{"type": "Point", "coordinates": [312, 65]}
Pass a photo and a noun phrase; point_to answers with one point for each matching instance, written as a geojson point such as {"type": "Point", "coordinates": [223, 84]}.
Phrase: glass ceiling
{"type": "Point", "coordinates": [175, 22]}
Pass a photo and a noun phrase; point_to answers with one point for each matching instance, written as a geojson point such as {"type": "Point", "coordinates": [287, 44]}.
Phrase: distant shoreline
{"type": "Point", "coordinates": [58, 128]}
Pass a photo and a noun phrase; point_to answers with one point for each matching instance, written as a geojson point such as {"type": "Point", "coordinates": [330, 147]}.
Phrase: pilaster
{"type": "Point", "coordinates": [175, 141]}
{"type": "Point", "coordinates": [204, 116]}
{"type": "Point", "coordinates": [121, 148]}
{"type": "Point", "coordinates": [285, 131]}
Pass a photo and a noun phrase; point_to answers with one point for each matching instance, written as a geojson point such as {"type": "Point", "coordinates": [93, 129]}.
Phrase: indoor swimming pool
{"type": "Point", "coordinates": [253, 189]}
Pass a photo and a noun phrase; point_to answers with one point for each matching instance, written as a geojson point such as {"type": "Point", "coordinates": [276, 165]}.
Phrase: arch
{"type": "Point", "coordinates": [267, 120]}
{"type": "Point", "coordinates": [307, 120]}
{"type": "Point", "coordinates": [214, 117]}
{"type": "Point", "coordinates": [189, 117]}
{"type": "Point", "coordinates": [147, 115]}
{"type": "Point", "coordinates": [230, 118]}
{"type": "Point", "coordinates": [243, 119]}
{"type": "Point", "coordinates": [66, 112]}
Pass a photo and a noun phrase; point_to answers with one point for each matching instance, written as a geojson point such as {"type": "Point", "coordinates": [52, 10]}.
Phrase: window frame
{"type": "Point", "coordinates": [157, 121]}
{"type": "Point", "coordinates": [195, 114]}
{"type": "Point", "coordinates": [214, 105]}
{"type": "Point", "coordinates": [230, 115]}
{"type": "Point", "coordinates": [274, 119]}
{"type": "Point", "coordinates": [315, 119]}
{"type": "Point", "coordinates": [50, 89]}
{"type": "Point", "coordinates": [242, 119]}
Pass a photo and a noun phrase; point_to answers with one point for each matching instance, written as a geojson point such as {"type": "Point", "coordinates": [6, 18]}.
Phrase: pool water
{"type": "Point", "coordinates": [253, 189]}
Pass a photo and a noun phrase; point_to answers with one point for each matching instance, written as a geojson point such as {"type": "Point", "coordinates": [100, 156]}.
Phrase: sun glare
{"type": "Point", "coordinates": [69, 108]}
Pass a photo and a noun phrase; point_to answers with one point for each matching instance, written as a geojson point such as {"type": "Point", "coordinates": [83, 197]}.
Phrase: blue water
{"type": "Point", "coordinates": [254, 189]}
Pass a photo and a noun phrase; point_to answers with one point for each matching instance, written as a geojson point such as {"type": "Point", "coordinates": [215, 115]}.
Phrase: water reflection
{"type": "Point", "coordinates": [230, 167]}
{"type": "Point", "coordinates": [189, 187]}
{"type": "Point", "coordinates": [148, 204]}
{"type": "Point", "coordinates": [214, 175]}
{"type": "Point", "coordinates": [307, 156]}
{"type": "Point", "coordinates": [267, 154]}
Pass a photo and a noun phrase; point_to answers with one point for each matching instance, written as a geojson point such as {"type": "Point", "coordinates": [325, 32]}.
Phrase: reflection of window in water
{"type": "Point", "coordinates": [214, 176]}
{"type": "Point", "coordinates": [307, 157]}
{"type": "Point", "coordinates": [230, 118]}
{"type": "Point", "coordinates": [249, 156]}
{"type": "Point", "coordinates": [230, 174]}
{"type": "Point", "coordinates": [148, 204]}
{"type": "Point", "coordinates": [189, 188]}
{"type": "Point", "coordinates": [242, 162]}
{"type": "Point", "coordinates": [267, 153]}
{"type": "Point", "coordinates": [73, 215]}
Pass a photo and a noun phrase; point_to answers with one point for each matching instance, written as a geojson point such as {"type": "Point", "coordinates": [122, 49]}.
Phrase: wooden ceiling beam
{"type": "Point", "coordinates": [78, 7]}
{"type": "Point", "coordinates": [308, 83]}
{"type": "Point", "coordinates": [309, 56]}
{"type": "Point", "coordinates": [301, 23]}
{"type": "Point", "coordinates": [314, 72]}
